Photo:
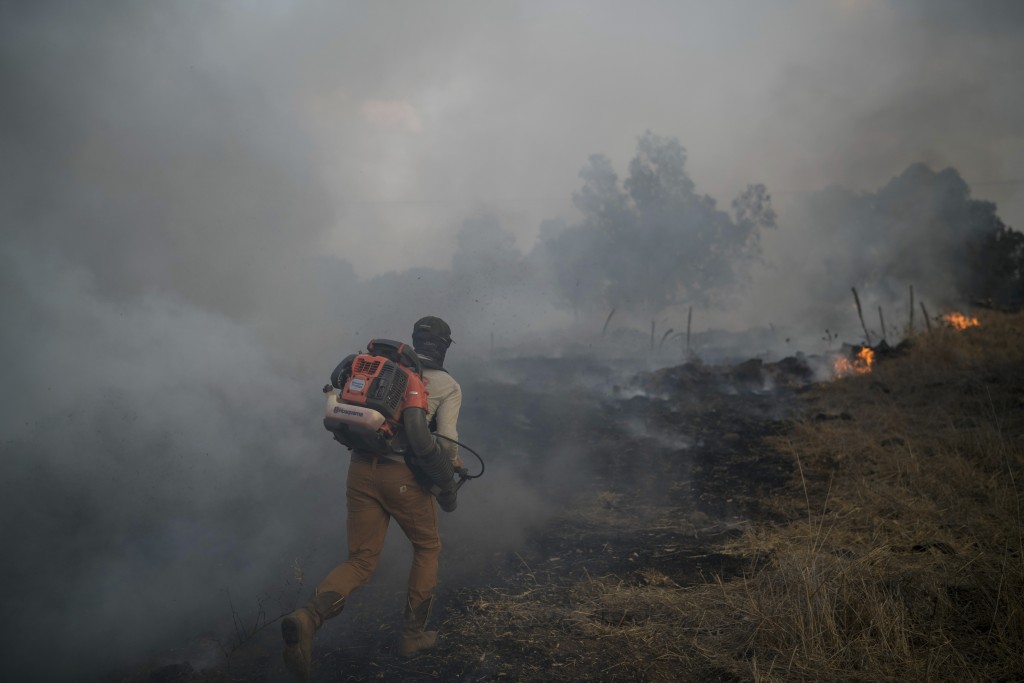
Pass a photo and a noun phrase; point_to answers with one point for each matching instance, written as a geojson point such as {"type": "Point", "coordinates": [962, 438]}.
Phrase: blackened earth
{"type": "Point", "coordinates": [636, 471]}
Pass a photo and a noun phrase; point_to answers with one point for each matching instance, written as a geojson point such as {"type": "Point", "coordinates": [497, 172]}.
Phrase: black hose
{"type": "Point", "coordinates": [467, 475]}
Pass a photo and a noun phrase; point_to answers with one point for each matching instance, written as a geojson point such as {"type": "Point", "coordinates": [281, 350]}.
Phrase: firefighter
{"type": "Point", "coordinates": [382, 487]}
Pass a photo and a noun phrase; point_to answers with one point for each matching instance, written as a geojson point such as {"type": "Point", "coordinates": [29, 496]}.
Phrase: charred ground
{"type": "Point", "coordinates": [642, 472]}
{"type": "Point", "coordinates": [724, 523]}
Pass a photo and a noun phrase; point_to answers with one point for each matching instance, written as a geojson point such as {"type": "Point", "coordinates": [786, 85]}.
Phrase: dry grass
{"type": "Point", "coordinates": [904, 558]}
{"type": "Point", "coordinates": [909, 561]}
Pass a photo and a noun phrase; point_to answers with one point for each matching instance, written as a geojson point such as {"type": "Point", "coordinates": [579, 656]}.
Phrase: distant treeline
{"type": "Point", "coordinates": [650, 242]}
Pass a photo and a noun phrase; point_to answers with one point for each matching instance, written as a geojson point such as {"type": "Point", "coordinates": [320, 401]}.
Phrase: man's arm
{"type": "Point", "coordinates": [428, 462]}
{"type": "Point", "coordinates": [447, 417]}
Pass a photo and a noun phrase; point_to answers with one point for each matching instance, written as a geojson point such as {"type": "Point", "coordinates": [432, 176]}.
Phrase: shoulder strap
{"type": "Point", "coordinates": [430, 363]}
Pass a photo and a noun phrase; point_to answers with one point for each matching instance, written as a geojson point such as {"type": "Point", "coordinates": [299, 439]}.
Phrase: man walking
{"type": "Point", "coordinates": [379, 488]}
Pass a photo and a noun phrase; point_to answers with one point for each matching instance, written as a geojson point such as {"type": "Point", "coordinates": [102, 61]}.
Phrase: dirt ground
{"type": "Point", "coordinates": [670, 464]}
{"type": "Point", "coordinates": [718, 523]}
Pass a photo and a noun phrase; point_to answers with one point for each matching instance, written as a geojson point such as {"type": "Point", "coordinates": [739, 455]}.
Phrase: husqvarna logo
{"type": "Point", "coordinates": [338, 410]}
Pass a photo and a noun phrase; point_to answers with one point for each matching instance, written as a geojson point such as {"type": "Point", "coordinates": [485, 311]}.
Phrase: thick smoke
{"type": "Point", "coordinates": [163, 470]}
{"type": "Point", "coordinates": [193, 238]}
{"type": "Point", "coordinates": [154, 458]}
{"type": "Point", "coordinates": [921, 230]}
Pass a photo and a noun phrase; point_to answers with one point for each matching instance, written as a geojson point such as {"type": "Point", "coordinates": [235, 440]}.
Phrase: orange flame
{"type": "Point", "coordinates": [959, 321]}
{"type": "Point", "coordinates": [859, 365]}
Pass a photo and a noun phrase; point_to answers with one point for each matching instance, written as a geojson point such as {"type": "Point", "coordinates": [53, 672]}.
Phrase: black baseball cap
{"type": "Point", "coordinates": [434, 327]}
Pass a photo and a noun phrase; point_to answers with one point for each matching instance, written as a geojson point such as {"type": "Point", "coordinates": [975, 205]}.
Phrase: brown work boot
{"type": "Point", "coordinates": [299, 627]}
{"type": "Point", "coordinates": [414, 635]}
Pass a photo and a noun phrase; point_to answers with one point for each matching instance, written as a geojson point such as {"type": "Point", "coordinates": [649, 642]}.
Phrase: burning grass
{"type": "Point", "coordinates": [902, 558]}
{"type": "Point", "coordinates": [860, 364]}
{"type": "Point", "coordinates": [959, 321]}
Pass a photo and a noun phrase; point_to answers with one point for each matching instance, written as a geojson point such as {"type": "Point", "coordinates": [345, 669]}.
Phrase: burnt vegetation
{"type": "Point", "coordinates": [735, 523]}
{"type": "Point", "coordinates": [884, 544]}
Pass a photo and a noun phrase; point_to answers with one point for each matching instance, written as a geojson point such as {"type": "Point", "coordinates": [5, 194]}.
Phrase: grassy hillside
{"type": "Point", "coordinates": [899, 555]}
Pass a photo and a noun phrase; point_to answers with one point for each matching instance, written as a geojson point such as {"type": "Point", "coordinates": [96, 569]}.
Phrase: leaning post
{"type": "Point", "coordinates": [860, 314]}
{"type": "Point", "coordinates": [689, 319]}
{"type": "Point", "coordinates": [911, 330]}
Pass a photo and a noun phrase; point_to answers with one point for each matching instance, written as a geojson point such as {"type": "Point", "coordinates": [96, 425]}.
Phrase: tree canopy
{"type": "Point", "coordinates": [922, 228]}
{"type": "Point", "coordinates": [651, 240]}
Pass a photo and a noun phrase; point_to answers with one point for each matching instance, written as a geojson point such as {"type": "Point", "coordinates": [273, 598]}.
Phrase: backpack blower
{"type": "Point", "coordinates": [376, 403]}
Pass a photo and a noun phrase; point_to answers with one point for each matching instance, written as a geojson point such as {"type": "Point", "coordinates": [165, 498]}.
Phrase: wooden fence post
{"type": "Point", "coordinates": [860, 314]}
{"type": "Point", "coordinates": [606, 321]}
{"type": "Point", "coordinates": [689, 319]}
{"type": "Point", "coordinates": [911, 332]}
{"type": "Point", "coordinates": [927, 320]}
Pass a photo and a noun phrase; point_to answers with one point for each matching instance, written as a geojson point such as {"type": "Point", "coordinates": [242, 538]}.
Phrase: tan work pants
{"type": "Point", "coordinates": [379, 489]}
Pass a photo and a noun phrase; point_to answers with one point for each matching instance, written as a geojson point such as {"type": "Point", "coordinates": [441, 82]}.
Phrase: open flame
{"type": "Point", "coordinates": [858, 365]}
{"type": "Point", "coordinates": [959, 321]}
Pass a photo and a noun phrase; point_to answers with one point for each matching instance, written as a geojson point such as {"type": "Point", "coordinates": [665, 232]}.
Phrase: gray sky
{"type": "Point", "coordinates": [466, 104]}
{"type": "Point", "coordinates": [396, 120]}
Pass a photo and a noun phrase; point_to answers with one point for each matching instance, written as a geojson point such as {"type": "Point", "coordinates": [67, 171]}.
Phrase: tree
{"type": "Point", "coordinates": [997, 268]}
{"type": "Point", "coordinates": [922, 228]}
{"type": "Point", "coordinates": [653, 240]}
{"type": "Point", "coordinates": [754, 213]}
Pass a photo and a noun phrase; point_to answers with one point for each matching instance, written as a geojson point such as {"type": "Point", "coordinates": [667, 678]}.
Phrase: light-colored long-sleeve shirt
{"type": "Point", "coordinates": [444, 401]}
